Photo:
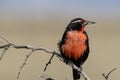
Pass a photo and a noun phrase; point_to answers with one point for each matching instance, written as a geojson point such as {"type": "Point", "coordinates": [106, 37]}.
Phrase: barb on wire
{"type": "Point", "coordinates": [107, 75]}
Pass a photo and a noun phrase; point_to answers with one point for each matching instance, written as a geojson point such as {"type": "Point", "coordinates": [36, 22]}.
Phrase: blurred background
{"type": "Point", "coordinates": [42, 23]}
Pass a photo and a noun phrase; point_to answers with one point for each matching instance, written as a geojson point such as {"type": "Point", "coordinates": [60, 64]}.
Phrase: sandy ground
{"type": "Point", "coordinates": [104, 43]}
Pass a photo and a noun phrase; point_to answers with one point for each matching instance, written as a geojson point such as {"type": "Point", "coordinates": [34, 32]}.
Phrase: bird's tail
{"type": "Point", "coordinates": [76, 75]}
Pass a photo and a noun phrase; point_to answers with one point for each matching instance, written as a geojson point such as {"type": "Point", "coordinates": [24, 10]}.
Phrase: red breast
{"type": "Point", "coordinates": [74, 46]}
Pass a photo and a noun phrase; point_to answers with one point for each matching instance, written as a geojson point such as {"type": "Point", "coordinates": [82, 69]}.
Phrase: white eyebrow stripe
{"type": "Point", "coordinates": [76, 21]}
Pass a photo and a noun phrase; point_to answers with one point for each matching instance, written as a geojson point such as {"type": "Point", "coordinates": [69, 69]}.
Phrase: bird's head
{"type": "Point", "coordinates": [79, 24]}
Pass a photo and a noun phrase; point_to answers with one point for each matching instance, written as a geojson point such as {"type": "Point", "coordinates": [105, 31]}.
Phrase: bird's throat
{"type": "Point", "coordinates": [83, 28]}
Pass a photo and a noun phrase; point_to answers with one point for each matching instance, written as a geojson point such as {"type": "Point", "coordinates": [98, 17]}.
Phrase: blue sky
{"type": "Point", "coordinates": [71, 7]}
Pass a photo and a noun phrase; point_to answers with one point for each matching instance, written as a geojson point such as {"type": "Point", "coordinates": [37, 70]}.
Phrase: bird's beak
{"type": "Point", "coordinates": [88, 22]}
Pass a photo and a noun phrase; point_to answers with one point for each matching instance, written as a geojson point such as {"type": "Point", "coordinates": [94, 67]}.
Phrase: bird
{"type": "Point", "coordinates": [74, 45]}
